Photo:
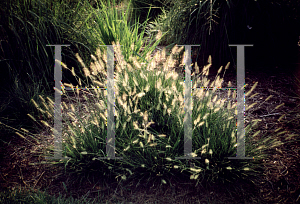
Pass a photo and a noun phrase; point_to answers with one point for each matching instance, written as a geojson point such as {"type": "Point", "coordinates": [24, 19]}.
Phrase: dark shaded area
{"type": "Point", "coordinates": [144, 7]}
{"type": "Point", "coordinates": [271, 26]}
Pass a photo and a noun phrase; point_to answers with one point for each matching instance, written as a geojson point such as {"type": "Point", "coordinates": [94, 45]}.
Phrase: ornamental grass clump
{"type": "Point", "coordinates": [149, 125]}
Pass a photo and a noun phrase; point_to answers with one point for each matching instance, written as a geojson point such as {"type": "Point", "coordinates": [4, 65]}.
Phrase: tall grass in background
{"type": "Point", "coordinates": [26, 62]}
{"type": "Point", "coordinates": [106, 25]}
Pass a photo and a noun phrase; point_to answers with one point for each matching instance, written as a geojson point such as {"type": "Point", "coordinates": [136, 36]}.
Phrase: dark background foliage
{"type": "Point", "coordinates": [271, 26]}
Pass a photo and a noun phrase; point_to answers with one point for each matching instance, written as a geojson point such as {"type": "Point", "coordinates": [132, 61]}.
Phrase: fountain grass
{"type": "Point", "coordinates": [149, 127]}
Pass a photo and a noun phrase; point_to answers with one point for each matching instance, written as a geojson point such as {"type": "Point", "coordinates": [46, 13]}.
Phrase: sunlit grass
{"type": "Point", "coordinates": [149, 101]}
{"type": "Point", "coordinates": [149, 115]}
